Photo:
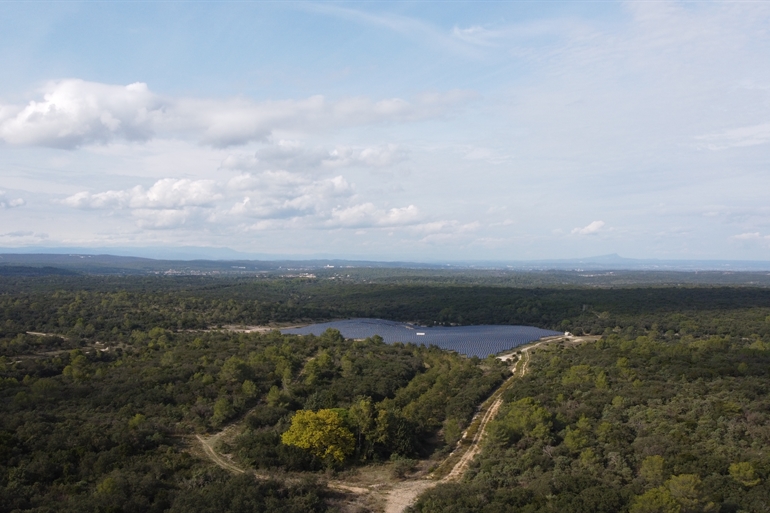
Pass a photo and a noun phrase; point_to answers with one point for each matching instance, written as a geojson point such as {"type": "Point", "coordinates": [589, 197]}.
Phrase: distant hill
{"type": "Point", "coordinates": [601, 270]}
{"type": "Point", "coordinates": [23, 270]}
{"type": "Point", "coordinates": [112, 264]}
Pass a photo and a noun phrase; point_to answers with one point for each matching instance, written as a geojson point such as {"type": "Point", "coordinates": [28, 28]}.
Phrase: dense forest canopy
{"type": "Point", "coordinates": [105, 381]}
{"type": "Point", "coordinates": [116, 306]}
{"type": "Point", "coordinates": [628, 424]}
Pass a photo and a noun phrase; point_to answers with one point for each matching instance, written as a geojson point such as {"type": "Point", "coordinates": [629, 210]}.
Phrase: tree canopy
{"type": "Point", "coordinates": [323, 433]}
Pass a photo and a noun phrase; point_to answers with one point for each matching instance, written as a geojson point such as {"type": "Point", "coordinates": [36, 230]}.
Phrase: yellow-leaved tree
{"type": "Point", "coordinates": [323, 433]}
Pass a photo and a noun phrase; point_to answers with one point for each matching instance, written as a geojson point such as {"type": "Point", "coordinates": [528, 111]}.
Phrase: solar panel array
{"type": "Point", "coordinates": [480, 341]}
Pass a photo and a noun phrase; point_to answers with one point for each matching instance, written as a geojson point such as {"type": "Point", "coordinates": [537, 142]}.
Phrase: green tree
{"type": "Point", "coordinates": [223, 410]}
{"type": "Point", "coordinates": [577, 375]}
{"type": "Point", "coordinates": [686, 490]}
{"type": "Point", "coordinates": [680, 494]}
{"type": "Point", "coordinates": [249, 389]}
{"type": "Point", "coordinates": [744, 474]}
{"type": "Point", "coordinates": [79, 368]}
{"type": "Point", "coordinates": [657, 500]}
{"type": "Point", "coordinates": [234, 369]}
{"type": "Point", "coordinates": [652, 470]}
{"type": "Point", "coordinates": [525, 417]}
{"type": "Point", "coordinates": [363, 416]}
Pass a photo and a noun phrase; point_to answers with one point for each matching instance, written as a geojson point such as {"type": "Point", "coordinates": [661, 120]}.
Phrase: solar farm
{"type": "Point", "coordinates": [480, 341]}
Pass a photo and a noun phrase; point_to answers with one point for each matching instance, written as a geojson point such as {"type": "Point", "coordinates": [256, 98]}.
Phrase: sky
{"type": "Point", "coordinates": [424, 131]}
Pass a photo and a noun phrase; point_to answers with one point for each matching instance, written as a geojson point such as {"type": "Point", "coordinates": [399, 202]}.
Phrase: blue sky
{"type": "Point", "coordinates": [393, 130]}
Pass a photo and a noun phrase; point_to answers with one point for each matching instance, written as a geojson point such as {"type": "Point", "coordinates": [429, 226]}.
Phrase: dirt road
{"type": "Point", "coordinates": [221, 461]}
{"type": "Point", "coordinates": [403, 494]}
{"type": "Point", "coordinates": [400, 495]}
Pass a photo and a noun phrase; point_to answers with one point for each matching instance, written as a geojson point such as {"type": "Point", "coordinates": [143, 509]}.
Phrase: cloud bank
{"type": "Point", "coordinates": [75, 113]}
{"type": "Point", "coordinates": [258, 201]}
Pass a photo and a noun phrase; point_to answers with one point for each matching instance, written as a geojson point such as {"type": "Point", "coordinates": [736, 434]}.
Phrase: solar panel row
{"type": "Point", "coordinates": [480, 341]}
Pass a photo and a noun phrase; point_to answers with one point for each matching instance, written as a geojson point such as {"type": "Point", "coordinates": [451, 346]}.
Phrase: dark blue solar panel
{"type": "Point", "coordinates": [480, 341]}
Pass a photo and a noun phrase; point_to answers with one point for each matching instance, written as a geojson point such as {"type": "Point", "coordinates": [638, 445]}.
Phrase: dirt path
{"type": "Point", "coordinates": [486, 417]}
{"type": "Point", "coordinates": [400, 495]}
{"type": "Point", "coordinates": [475, 446]}
{"type": "Point", "coordinates": [404, 494]}
{"type": "Point", "coordinates": [221, 461]}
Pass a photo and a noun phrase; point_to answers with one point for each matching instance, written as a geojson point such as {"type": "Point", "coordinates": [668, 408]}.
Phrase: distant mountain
{"type": "Point", "coordinates": [113, 264]}
{"type": "Point", "coordinates": [188, 260]}
{"type": "Point", "coordinates": [616, 262]}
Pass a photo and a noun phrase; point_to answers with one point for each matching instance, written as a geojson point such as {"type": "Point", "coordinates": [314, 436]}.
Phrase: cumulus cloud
{"type": "Point", "coordinates": [367, 215]}
{"type": "Point", "coordinates": [75, 112]}
{"type": "Point", "coordinates": [10, 203]}
{"type": "Point", "coordinates": [264, 200]}
{"type": "Point", "coordinates": [295, 156]}
{"type": "Point", "coordinates": [590, 229]}
{"type": "Point", "coordinates": [164, 194]}
{"type": "Point", "coordinates": [282, 195]}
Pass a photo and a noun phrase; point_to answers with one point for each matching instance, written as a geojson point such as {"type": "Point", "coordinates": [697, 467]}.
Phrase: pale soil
{"type": "Point", "coordinates": [258, 329]}
{"type": "Point", "coordinates": [372, 488]}
{"type": "Point", "coordinates": [405, 494]}
{"type": "Point", "coordinates": [96, 346]}
{"type": "Point", "coordinates": [213, 455]}
{"type": "Point", "coordinates": [461, 466]}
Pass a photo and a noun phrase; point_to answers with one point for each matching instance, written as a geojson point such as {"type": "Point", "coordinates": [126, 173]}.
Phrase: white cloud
{"type": "Point", "coordinates": [168, 193]}
{"type": "Point", "coordinates": [292, 155]}
{"type": "Point", "coordinates": [476, 35]}
{"type": "Point", "coordinates": [295, 156]}
{"type": "Point", "coordinates": [74, 113]}
{"type": "Point", "coordinates": [367, 215]}
{"type": "Point", "coordinates": [23, 237]}
{"type": "Point", "coordinates": [277, 199]}
{"type": "Point", "coordinates": [10, 203]}
{"type": "Point", "coordinates": [750, 236]}
{"type": "Point", "coordinates": [747, 236]}
{"type": "Point", "coordinates": [161, 218]}
{"type": "Point", "coordinates": [283, 195]}
{"type": "Point", "coordinates": [592, 228]}
{"type": "Point", "coordinates": [445, 231]}
{"type": "Point", "coordinates": [735, 138]}
{"type": "Point", "coordinates": [378, 156]}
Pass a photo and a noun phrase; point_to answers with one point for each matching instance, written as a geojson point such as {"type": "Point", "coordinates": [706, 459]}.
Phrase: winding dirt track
{"type": "Point", "coordinates": [219, 460]}
{"type": "Point", "coordinates": [402, 494]}
{"type": "Point", "coordinates": [475, 444]}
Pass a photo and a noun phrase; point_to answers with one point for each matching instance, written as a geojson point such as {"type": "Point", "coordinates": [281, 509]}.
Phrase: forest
{"type": "Point", "coordinates": [106, 380]}
{"type": "Point", "coordinates": [645, 424]}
